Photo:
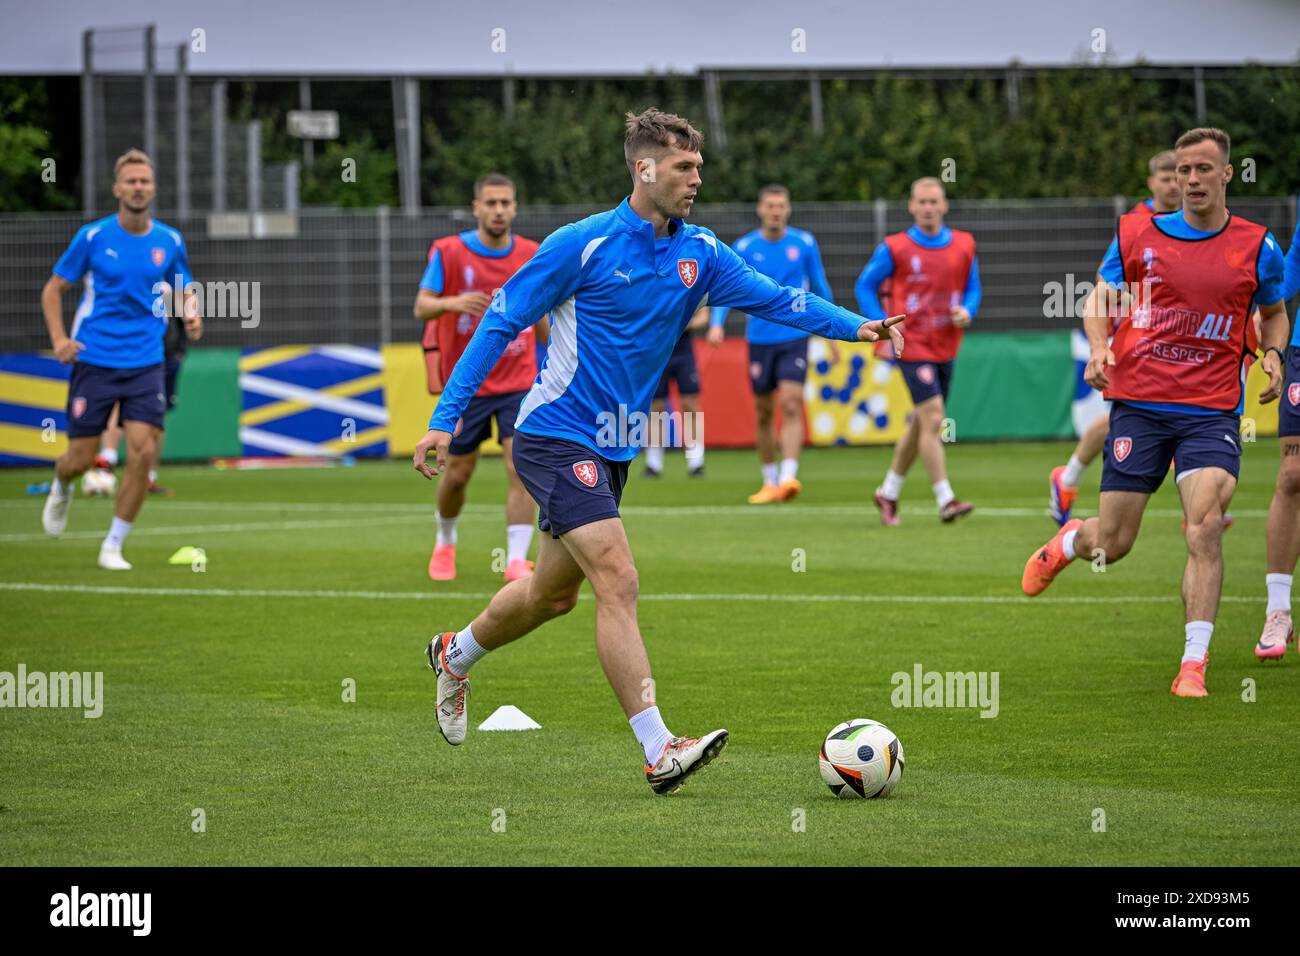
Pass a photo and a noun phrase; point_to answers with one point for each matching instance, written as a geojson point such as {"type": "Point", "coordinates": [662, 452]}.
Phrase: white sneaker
{"type": "Point", "coordinates": [681, 758]}
{"type": "Point", "coordinates": [54, 516]}
{"type": "Point", "coordinates": [452, 691]}
{"type": "Point", "coordinates": [110, 559]}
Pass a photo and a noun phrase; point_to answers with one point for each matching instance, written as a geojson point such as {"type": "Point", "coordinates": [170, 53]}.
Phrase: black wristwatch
{"type": "Point", "coordinates": [1280, 357]}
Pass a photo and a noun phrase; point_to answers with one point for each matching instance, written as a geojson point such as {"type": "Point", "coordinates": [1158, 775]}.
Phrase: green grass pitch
{"type": "Point", "coordinates": [224, 690]}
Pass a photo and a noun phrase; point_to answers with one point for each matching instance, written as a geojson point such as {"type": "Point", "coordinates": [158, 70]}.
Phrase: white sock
{"type": "Point", "coordinates": [1067, 544]}
{"type": "Point", "coordinates": [518, 538]}
{"type": "Point", "coordinates": [463, 652]}
{"type": "Point", "coordinates": [893, 485]}
{"type": "Point", "coordinates": [695, 455]}
{"type": "Point", "coordinates": [58, 487]}
{"type": "Point", "coordinates": [117, 533]}
{"type": "Point", "coordinates": [942, 492]}
{"type": "Point", "coordinates": [769, 473]}
{"type": "Point", "coordinates": [789, 469]}
{"type": "Point", "coordinates": [651, 734]}
{"type": "Point", "coordinates": [1198, 640]}
{"type": "Point", "coordinates": [654, 458]}
{"type": "Point", "coordinates": [153, 475]}
{"type": "Point", "coordinates": [109, 455]}
{"type": "Point", "coordinates": [1073, 472]}
{"type": "Point", "coordinates": [447, 530]}
{"type": "Point", "coordinates": [1279, 592]}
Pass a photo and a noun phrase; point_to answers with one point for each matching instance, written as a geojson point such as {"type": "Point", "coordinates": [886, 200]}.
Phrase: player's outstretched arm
{"type": "Point", "coordinates": [1102, 302]}
{"type": "Point", "coordinates": [736, 285]}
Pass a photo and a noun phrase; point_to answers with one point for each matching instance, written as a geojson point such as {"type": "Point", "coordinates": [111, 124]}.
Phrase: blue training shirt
{"type": "Point", "coordinates": [1291, 280]}
{"type": "Point", "coordinates": [619, 300]}
{"type": "Point", "coordinates": [881, 266]}
{"type": "Point", "coordinates": [120, 320]}
{"type": "Point", "coordinates": [1268, 272]}
{"type": "Point", "coordinates": [793, 260]}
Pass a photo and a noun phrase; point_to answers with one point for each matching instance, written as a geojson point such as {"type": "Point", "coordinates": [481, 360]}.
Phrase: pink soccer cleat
{"type": "Point", "coordinates": [1278, 633]}
{"type": "Point", "coordinates": [888, 509]}
{"type": "Point", "coordinates": [1190, 681]}
{"type": "Point", "coordinates": [442, 564]}
{"type": "Point", "coordinates": [1047, 562]}
{"type": "Point", "coordinates": [518, 569]}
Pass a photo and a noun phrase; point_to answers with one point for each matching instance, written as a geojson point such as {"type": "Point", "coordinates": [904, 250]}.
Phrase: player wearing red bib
{"type": "Point", "coordinates": [463, 273]}
{"type": "Point", "coordinates": [932, 272]}
{"type": "Point", "coordinates": [1063, 483]}
{"type": "Point", "coordinates": [1186, 284]}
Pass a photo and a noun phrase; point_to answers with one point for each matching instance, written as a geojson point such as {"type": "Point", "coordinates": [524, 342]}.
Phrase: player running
{"type": "Point", "coordinates": [933, 276]}
{"type": "Point", "coordinates": [621, 287]}
{"type": "Point", "coordinates": [463, 273]}
{"type": "Point", "coordinates": [116, 346]}
{"type": "Point", "coordinates": [1063, 482]}
{"type": "Point", "coordinates": [1284, 511]}
{"type": "Point", "coordinates": [682, 370]}
{"type": "Point", "coordinates": [1186, 284]}
{"type": "Point", "coordinates": [778, 354]}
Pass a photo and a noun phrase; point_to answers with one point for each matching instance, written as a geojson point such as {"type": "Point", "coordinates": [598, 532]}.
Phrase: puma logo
{"type": "Point", "coordinates": [624, 275]}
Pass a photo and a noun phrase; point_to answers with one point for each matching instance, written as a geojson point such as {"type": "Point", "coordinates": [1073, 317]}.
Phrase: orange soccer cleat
{"type": "Point", "coordinates": [1190, 681]}
{"type": "Point", "coordinates": [442, 564]}
{"type": "Point", "coordinates": [790, 489]}
{"type": "Point", "coordinates": [519, 568]}
{"type": "Point", "coordinates": [768, 494]}
{"type": "Point", "coordinates": [1048, 561]}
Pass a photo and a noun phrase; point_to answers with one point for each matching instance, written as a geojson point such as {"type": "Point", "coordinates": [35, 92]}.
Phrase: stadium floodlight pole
{"type": "Point", "coordinates": [88, 158]}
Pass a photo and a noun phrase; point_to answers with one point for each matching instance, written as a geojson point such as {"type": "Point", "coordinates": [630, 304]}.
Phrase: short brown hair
{"type": "Point", "coordinates": [654, 131]}
{"type": "Point", "coordinates": [1162, 162]}
{"type": "Point", "coordinates": [492, 179]}
{"type": "Point", "coordinates": [132, 155]}
{"type": "Point", "coordinates": [1201, 134]}
{"type": "Point", "coordinates": [773, 189]}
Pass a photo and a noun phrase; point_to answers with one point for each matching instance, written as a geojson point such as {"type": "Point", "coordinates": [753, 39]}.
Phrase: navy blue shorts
{"type": "Point", "coordinates": [1288, 409]}
{"type": "Point", "coordinates": [1142, 443]}
{"type": "Point", "coordinates": [571, 484]}
{"type": "Point", "coordinates": [925, 380]}
{"type": "Point", "coordinates": [478, 417]}
{"type": "Point", "coordinates": [681, 369]}
{"type": "Point", "coordinates": [171, 372]}
{"type": "Point", "coordinates": [782, 362]}
{"type": "Point", "coordinates": [93, 391]}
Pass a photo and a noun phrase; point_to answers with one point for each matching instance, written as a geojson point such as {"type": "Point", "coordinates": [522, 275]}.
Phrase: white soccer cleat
{"type": "Point", "coordinates": [54, 516]}
{"type": "Point", "coordinates": [681, 758]}
{"type": "Point", "coordinates": [110, 559]}
{"type": "Point", "coordinates": [453, 719]}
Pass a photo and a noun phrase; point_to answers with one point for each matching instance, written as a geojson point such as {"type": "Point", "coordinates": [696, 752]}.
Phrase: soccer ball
{"type": "Point", "coordinates": [99, 482]}
{"type": "Point", "coordinates": [861, 759]}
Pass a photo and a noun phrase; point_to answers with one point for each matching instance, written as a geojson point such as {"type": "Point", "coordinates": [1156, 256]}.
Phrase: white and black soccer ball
{"type": "Point", "coordinates": [99, 483]}
{"type": "Point", "coordinates": [861, 759]}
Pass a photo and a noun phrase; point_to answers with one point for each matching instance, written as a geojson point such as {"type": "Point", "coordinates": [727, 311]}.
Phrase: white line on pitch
{"type": "Point", "coordinates": [666, 597]}
{"type": "Point", "coordinates": [221, 528]}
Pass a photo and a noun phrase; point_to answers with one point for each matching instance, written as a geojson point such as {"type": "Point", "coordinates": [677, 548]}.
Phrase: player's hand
{"type": "Point", "coordinates": [193, 327]}
{"type": "Point", "coordinates": [1095, 372]}
{"type": "Point", "coordinates": [1272, 367]}
{"type": "Point", "coordinates": [960, 317]}
{"type": "Point", "coordinates": [472, 303]}
{"type": "Point", "coordinates": [716, 335]}
{"type": "Point", "coordinates": [870, 332]}
{"type": "Point", "coordinates": [65, 350]}
{"type": "Point", "coordinates": [834, 352]}
{"type": "Point", "coordinates": [437, 442]}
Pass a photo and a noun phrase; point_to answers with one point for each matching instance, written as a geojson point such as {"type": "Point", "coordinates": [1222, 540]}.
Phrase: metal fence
{"type": "Point", "coordinates": [350, 276]}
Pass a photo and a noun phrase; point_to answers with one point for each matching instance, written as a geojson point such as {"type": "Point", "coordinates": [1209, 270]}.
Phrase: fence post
{"type": "Point", "coordinates": [182, 132]}
{"type": "Point", "coordinates": [89, 161]}
{"type": "Point", "coordinates": [385, 276]}
{"type": "Point", "coordinates": [878, 210]}
{"type": "Point", "coordinates": [219, 146]}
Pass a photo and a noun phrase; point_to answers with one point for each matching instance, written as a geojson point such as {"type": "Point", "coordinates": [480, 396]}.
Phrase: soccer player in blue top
{"type": "Point", "coordinates": [620, 287]}
{"type": "Point", "coordinates": [132, 268]}
{"type": "Point", "coordinates": [778, 353]}
{"type": "Point", "coordinates": [1284, 512]}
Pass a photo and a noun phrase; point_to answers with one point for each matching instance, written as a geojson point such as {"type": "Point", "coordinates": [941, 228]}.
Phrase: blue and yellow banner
{"type": "Point", "coordinates": [33, 409]}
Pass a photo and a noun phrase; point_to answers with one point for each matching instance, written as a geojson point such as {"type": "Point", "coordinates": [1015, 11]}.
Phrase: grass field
{"type": "Point", "coordinates": [223, 690]}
